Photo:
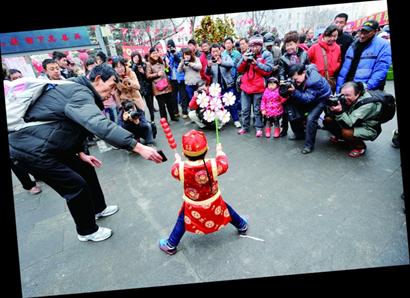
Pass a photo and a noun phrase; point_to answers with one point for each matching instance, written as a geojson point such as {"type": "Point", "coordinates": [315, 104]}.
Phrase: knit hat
{"type": "Point", "coordinates": [194, 143]}
{"type": "Point", "coordinates": [256, 40]}
{"type": "Point", "coordinates": [273, 80]}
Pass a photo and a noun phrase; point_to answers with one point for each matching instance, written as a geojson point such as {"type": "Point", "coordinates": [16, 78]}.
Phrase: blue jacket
{"type": "Point", "coordinates": [314, 89]}
{"type": "Point", "coordinates": [373, 65]}
{"type": "Point", "coordinates": [173, 62]}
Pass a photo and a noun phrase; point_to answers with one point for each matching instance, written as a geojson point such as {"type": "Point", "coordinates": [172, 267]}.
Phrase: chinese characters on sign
{"type": "Point", "coordinates": [39, 40]}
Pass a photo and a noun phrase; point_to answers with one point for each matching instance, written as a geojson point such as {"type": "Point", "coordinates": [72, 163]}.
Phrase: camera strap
{"type": "Point", "coordinates": [326, 64]}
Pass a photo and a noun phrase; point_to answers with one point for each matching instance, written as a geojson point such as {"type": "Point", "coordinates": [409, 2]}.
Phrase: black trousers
{"type": "Point", "coordinates": [77, 182]}
{"type": "Point", "coordinates": [22, 175]}
{"type": "Point", "coordinates": [183, 95]}
{"type": "Point", "coordinates": [149, 100]}
{"type": "Point", "coordinates": [166, 102]}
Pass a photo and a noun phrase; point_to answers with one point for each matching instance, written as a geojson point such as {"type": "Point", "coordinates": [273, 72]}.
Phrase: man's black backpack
{"type": "Point", "coordinates": [388, 104]}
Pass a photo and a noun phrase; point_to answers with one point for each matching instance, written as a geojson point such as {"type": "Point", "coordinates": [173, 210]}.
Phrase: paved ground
{"type": "Point", "coordinates": [308, 213]}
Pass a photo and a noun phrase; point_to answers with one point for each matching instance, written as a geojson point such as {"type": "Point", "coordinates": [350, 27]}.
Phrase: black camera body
{"type": "Point", "coordinates": [134, 114]}
{"type": "Point", "coordinates": [284, 86]}
{"type": "Point", "coordinates": [214, 60]}
{"type": "Point", "coordinates": [249, 55]}
{"type": "Point", "coordinates": [186, 62]}
{"type": "Point", "coordinates": [287, 83]}
{"type": "Point", "coordinates": [132, 111]}
{"type": "Point", "coordinates": [334, 100]}
{"type": "Point", "coordinates": [172, 50]}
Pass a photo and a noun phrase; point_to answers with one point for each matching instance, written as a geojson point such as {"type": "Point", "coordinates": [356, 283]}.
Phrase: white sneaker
{"type": "Point", "coordinates": [110, 210]}
{"type": "Point", "coordinates": [100, 235]}
{"type": "Point", "coordinates": [237, 124]}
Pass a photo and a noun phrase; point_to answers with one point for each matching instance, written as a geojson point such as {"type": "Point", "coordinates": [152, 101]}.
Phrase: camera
{"type": "Point", "coordinates": [132, 111]}
{"type": "Point", "coordinates": [249, 56]}
{"type": "Point", "coordinates": [186, 62]}
{"type": "Point", "coordinates": [284, 86]}
{"type": "Point", "coordinates": [134, 114]}
{"type": "Point", "coordinates": [172, 50]}
{"type": "Point", "coordinates": [214, 60]}
{"type": "Point", "coordinates": [334, 100]}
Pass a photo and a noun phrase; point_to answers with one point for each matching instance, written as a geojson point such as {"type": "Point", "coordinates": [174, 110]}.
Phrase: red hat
{"type": "Point", "coordinates": [194, 143]}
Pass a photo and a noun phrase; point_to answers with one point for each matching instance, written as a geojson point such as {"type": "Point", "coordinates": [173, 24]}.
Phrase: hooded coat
{"type": "Point", "coordinates": [75, 110]}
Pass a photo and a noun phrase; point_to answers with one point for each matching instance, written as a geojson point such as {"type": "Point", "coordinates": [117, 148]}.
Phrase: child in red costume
{"type": "Point", "coordinates": [203, 210]}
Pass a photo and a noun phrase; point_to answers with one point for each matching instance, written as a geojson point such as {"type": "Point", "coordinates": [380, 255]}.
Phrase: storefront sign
{"type": "Point", "coordinates": [40, 40]}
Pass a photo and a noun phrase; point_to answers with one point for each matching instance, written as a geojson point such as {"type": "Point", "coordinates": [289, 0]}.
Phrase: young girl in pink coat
{"type": "Point", "coordinates": [272, 108]}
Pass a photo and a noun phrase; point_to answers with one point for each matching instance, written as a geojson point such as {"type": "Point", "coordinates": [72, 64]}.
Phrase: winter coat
{"type": "Point", "coordinates": [253, 79]}
{"type": "Point", "coordinates": [315, 88]}
{"type": "Point", "coordinates": [344, 40]}
{"type": "Point", "coordinates": [333, 55]}
{"type": "Point", "coordinates": [204, 62]}
{"type": "Point", "coordinates": [272, 103]}
{"type": "Point", "coordinates": [76, 112]}
{"type": "Point", "coordinates": [362, 119]}
{"type": "Point", "coordinates": [284, 63]}
{"type": "Point", "coordinates": [128, 88]}
{"type": "Point", "coordinates": [235, 56]}
{"type": "Point", "coordinates": [225, 67]}
{"type": "Point", "coordinates": [152, 74]}
{"type": "Point", "coordinates": [192, 71]}
{"type": "Point", "coordinates": [173, 62]}
{"type": "Point", "coordinates": [145, 84]}
{"type": "Point", "coordinates": [373, 65]}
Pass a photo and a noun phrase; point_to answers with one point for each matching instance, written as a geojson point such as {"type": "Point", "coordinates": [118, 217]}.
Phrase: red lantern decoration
{"type": "Point", "coordinates": [173, 145]}
{"type": "Point", "coordinates": [168, 135]}
{"type": "Point", "coordinates": [163, 120]}
{"type": "Point", "coordinates": [167, 130]}
{"type": "Point", "coordinates": [171, 140]}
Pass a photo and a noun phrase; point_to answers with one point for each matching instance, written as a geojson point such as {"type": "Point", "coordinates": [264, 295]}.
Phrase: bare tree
{"type": "Point", "coordinates": [258, 19]}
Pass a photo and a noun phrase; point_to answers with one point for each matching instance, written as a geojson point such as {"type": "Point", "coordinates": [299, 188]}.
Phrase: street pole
{"type": "Point", "coordinates": [100, 39]}
{"type": "Point", "coordinates": [102, 32]}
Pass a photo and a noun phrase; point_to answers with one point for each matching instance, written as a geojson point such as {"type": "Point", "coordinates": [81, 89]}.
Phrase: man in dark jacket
{"type": "Point", "coordinates": [54, 153]}
{"type": "Point", "coordinates": [293, 55]}
{"type": "Point", "coordinates": [344, 39]}
{"type": "Point", "coordinates": [177, 79]}
{"type": "Point", "coordinates": [62, 61]}
{"type": "Point", "coordinates": [308, 96]}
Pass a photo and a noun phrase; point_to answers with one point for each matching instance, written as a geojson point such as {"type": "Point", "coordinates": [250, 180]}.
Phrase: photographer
{"type": "Point", "coordinates": [219, 68]}
{"type": "Point", "coordinates": [350, 123]}
{"type": "Point", "coordinates": [293, 54]}
{"type": "Point", "coordinates": [177, 79]}
{"type": "Point", "coordinates": [307, 95]}
{"type": "Point", "coordinates": [135, 122]}
{"type": "Point", "coordinates": [191, 66]}
{"type": "Point", "coordinates": [255, 65]}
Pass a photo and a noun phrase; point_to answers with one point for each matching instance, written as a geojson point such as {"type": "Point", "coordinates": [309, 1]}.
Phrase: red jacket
{"type": "Point", "coordinates": [253, 79]}
{"type": "Point", "coordinates": [207, 79]}
{"type": "Point", "coordinates": [333, 54]}
{"type": "Point", "coordinates": [193, 104]}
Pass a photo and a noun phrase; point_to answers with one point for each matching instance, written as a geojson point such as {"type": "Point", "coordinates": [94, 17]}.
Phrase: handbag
{"type": "Point", "coordinates": [330, 80]}
{"type": "Point", "coordinates": [161, 84]}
